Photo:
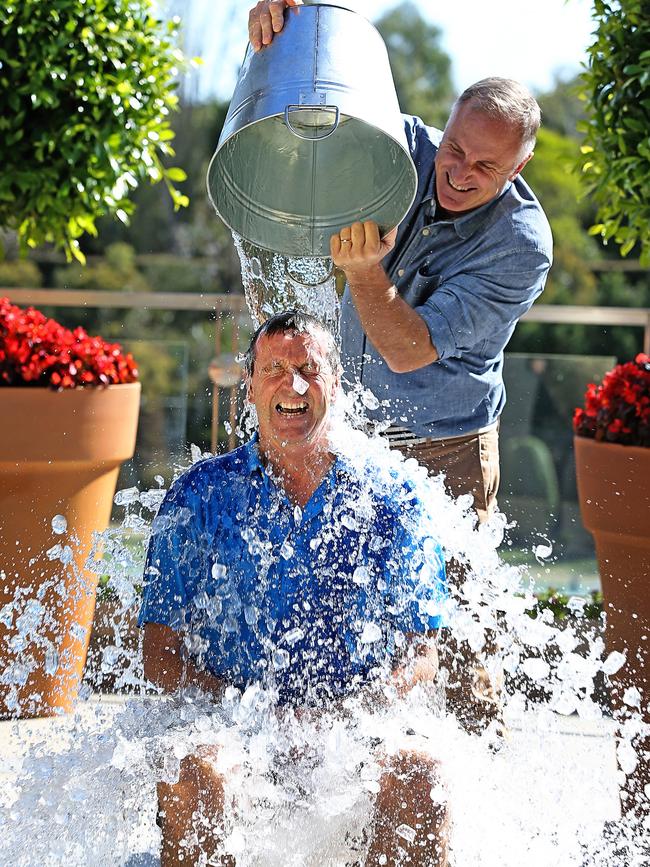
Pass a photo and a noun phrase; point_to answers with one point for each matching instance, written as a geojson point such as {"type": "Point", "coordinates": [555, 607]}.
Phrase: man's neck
{"type": "Point", "coordinates": [298, 470]}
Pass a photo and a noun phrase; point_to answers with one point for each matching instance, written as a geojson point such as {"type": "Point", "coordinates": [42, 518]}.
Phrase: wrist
{"type": "Point", "coordinates": [368, 276]}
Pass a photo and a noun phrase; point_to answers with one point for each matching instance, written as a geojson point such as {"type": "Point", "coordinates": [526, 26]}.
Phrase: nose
{"type": "Point", "coordinates": [462, 170]}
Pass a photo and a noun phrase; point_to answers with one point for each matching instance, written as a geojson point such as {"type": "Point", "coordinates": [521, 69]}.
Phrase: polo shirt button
{"type": "Point", "coordinates": [425, 231]}
{"type": "Point", "coordinates": [400, 273]}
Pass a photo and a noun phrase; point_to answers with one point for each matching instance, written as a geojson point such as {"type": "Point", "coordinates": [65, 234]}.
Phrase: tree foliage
{"type": "Point", "coordinates": [86, 89]}
{"type": "Point", "coordinates": [552, 175]}
{"type": "Point", "coordinates": [616, 152]}
{"type": "Point", "coordinates": [562, 108]}
{"type": "Point", "coordinates": [421, 69]}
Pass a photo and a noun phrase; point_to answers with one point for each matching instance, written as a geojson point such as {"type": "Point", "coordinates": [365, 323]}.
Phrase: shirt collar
{"type": "Point", "coordinates": [253, 458]}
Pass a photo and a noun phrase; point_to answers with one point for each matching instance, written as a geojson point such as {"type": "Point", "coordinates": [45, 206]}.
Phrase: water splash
{"type": "Point", "coordinates": [82, 789]}
{"type": "Point", "coordinates": [273, 283]}
{"type": "Point", "coordinates": [102, 764]}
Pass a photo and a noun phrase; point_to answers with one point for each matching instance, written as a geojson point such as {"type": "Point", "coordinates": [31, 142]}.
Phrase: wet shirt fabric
{"type": "Point", "coordinates": [470, 279]}
{"type": "Point", "coordinates": [308, 601]}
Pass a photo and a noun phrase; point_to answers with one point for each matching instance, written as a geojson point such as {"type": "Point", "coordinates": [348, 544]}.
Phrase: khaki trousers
{"type": "Point", "coordinates": [471, 466]}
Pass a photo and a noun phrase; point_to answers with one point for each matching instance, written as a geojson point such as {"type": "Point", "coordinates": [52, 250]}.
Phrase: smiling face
{"type": "Point", "coordinates": [478, 154]}
{"type": "Point", "coordinates": [292, 386]}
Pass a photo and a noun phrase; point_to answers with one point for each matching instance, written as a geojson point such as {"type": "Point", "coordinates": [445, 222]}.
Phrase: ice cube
{"type": "Point", "coordinates": [300, 385]}
{"type": "Point", "coordinates": [280, 659]}
{"type": "Point", "coordinates": [294, 635]}
{"type": "Point", "coordinates": [371, 633]}
{"type": "Point", "coordinates": [59, 524]}
{"type": "Point", "coordinates": [126, 496]}
{"type": "Point", "coordinates": [361, 575]}
{"type": "Point", "coordinates": [219, 571]}
{"type": "Point", "coordinates": [406, 833]}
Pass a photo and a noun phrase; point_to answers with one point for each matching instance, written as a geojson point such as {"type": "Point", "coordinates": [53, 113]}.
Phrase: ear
{"type": "Point", "coordinates": [521, 165]}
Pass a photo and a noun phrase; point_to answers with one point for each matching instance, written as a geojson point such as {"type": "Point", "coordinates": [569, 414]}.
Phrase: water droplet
{"type": "Point", "coordinates": [369, 400]}
{"type": "Point", "coordinates": [614, 662]}
{"type": "Point", "coordinates": [543, 551]}
{"type": "Point", "coordinates": [294, 635]}
{"type": "Point", "coordinates": [632, 697]}
{"type": "Point", "coordinates": [251, 615]}
{"type": "Point", "coordinates": [59, 524]}
{"type": "Point", "coordinates": [51, 661]}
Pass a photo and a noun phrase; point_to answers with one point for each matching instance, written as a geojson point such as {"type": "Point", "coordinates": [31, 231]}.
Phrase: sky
{"type": "Point", "coordinates": [530, 40]}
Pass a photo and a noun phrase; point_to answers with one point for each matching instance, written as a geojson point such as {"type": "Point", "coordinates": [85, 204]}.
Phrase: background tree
{"type": "Point", "coordinates": [552, 176]}
{"type": "Point", "coordinates": [86, 90]}
{"type": "Point", "coordinates": [563, 110]}
{"type": "Point", "coordinates": [616, 151]}
{"type": "Point", "coordinates": [421, 69]}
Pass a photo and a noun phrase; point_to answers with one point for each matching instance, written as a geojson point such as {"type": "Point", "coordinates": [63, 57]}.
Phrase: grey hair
{"type": "Point", "coordinates": [296, 322]}
{"type": "Point", "coordinates": [507, 100]}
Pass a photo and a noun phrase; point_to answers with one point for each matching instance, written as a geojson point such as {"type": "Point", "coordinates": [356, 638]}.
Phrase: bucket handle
{"type": "Point", "coordinates": [302, 282]}
{"type": "Point", "coordinates": [294, 107]}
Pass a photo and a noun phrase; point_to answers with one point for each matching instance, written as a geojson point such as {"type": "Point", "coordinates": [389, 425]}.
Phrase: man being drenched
{"type": "Point", "coordinates": [282, 564]}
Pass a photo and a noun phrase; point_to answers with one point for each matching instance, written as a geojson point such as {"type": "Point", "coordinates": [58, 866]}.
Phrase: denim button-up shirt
{"type": "Point", "coordinates": [309, 599]}
{"type": "Point", "coordinates": [470, 279]}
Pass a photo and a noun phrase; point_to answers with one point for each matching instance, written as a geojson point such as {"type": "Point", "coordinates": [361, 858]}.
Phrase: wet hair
{"type": "Point", "coordinates": [507, 100]}
{"type": "Point", "coordinates": [296, 322]}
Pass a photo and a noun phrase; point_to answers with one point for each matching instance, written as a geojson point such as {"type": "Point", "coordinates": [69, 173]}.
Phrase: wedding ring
{"type": "Point", "coordinates": [346, 241]}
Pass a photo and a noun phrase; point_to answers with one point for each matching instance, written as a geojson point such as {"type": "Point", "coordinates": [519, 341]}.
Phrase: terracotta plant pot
{"type": "Point", "coordinates": [614, 494]}
{"type": "Point", "coordinates": [60, 454]}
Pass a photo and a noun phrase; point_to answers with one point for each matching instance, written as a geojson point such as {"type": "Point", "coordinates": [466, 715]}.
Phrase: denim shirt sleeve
{"type": "Point", "coordinates": [172, 548]}
{"type": "Point", "coordinates": [471, 308]}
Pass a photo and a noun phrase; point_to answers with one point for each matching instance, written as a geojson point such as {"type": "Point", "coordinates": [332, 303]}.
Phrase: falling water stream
{"type": "Point", "coordinates": [80, 790]}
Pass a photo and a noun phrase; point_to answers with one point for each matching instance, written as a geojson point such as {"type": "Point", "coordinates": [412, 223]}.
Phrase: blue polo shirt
{"type": "Point", "coordinates": [470, 279]}
{"type": "Point", "coordinates": [310, 601]}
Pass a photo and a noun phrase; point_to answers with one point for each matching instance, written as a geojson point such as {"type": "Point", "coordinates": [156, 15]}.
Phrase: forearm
{"type": "Point", "coordinates": [190, 675]}
{"type": "Point", "coordinates": [418, 666]}
{"type": "Point", "coordinates": [398, 333]}
{"type": "Point", "coordinates": [167, 665]}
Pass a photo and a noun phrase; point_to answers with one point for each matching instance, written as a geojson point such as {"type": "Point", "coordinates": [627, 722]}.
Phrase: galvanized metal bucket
{"type": "Point", "coordinates": [313, 139]}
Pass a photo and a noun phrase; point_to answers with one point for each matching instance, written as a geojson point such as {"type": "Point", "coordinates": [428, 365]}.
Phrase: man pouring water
{"type": "Point", "coordinates": [286, 564]}
{"type": "Point", "coordinates": [429, 308]}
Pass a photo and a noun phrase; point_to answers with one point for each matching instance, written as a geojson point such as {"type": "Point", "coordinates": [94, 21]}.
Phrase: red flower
{"type": "Point", "coordinates": [618, 410]}
{"type": "Point", "coordinates": [38, 351]}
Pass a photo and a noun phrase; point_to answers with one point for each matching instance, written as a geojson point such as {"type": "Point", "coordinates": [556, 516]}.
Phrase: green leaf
{"type": "Point", "coordinates": [68, 61]}
{"type": "Point", "coordinates": [176, 174]}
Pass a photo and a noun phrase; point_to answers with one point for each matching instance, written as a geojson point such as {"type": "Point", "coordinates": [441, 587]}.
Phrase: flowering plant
{"type": "Point", "coordinates": [38, 351]}
{"type": "Point", "coordinates": [618, 410]}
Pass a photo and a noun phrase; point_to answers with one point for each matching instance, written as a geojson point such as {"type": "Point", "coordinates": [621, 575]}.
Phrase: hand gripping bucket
{"type": "Point", "coordinates": [313, 139]}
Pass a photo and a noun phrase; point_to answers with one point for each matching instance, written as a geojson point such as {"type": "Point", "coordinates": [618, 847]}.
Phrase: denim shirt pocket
{"type": "Point", "coordinates": [421, 287]}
